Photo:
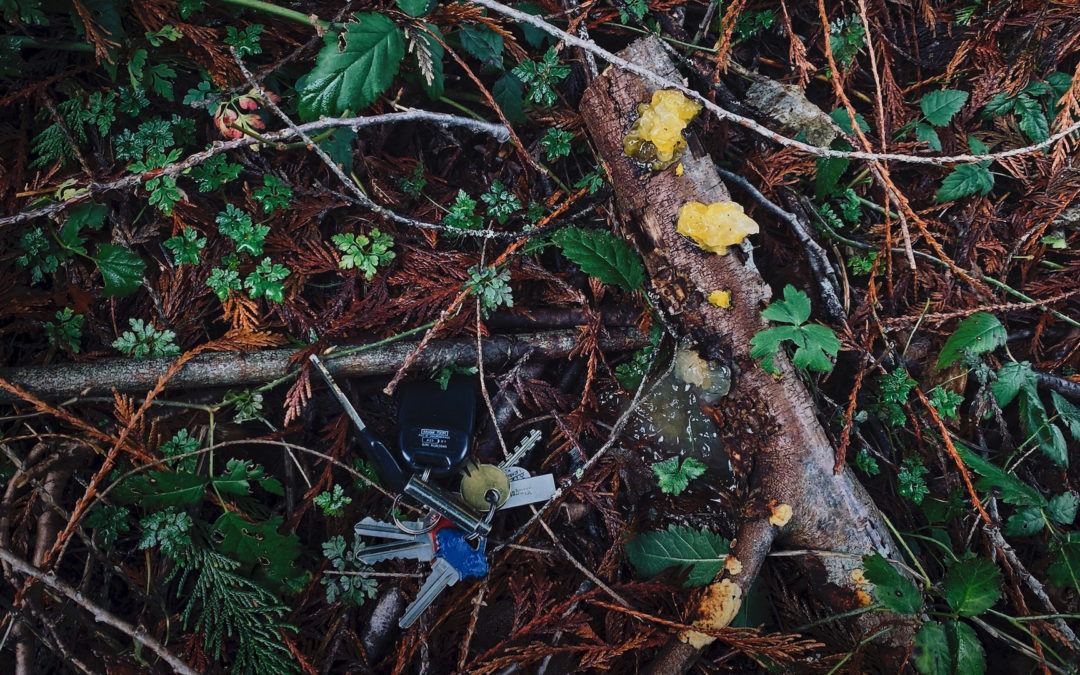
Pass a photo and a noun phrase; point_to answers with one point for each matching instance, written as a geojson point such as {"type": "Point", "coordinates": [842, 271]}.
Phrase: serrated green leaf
{"type": "Point", "coordinates": [931, 653]}
{"type": "Point", "coordinates": [602, 255]}
{"type": "Point", "coordinates": [926, 134]}
{"type": "Point", "coordinates": [827, 177]}
{"type": "Point", "coordinates": [968, 655]}
{"type": "Point", "coordinates": [891, 588]}
{"type": "Point", "coordinates": [939, 106]}
{"type": "Point", "coordinates": [1011, 378]}
{"type": "Point", "coordinates": [415, 8]}
{"type": "Point", "coordinates": [972, 586]}
{"type": "Point", "coordinates": [843, 120]}
{"type": "Point", "coordinates": [351, 78]}
{"type": "Point", "coordinates": [340, 147]}
{"type": "Point", "coordinates": [483, 44]}
{"type": "Point", "coordinates": [964, 180]}
{"type": "Point", "coordinates": [1032, 119]}
{"type": "Point", "coordinates": [1062, 508]}
{"type": "Point", "coordinates": [978, 333]}
{"type": "Point", "coordinates": [793, 309]}
{"type": "Point", "coordinates": [765, 344]}
{"type": "Point", "coordinates": [703, 553]}
{"type": "Point", "coordinates": [509, 94]}
{"type": "Point", "coordinates": [673, 477]}
{"type": "Point", "coordinates": [1036, 424]}
{"type": "Point", "coordinates": [1007, 487]}
{"type": "Point", "coordinates": [121, 269]}
{"type": "Point", "coordinates": [158, 489]}
{"type": "Point", "coordinates": [1067, 413]}
{"type": "Point", "coordinates": [1024, 523]}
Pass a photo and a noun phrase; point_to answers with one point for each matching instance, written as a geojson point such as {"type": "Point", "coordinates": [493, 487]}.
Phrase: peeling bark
{"type": "Point", "coordinates": [769, 424]}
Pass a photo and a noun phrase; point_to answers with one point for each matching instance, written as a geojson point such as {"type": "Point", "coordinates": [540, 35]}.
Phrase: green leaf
{"type": "Point", "coordinates": [673, 477]}
{"type": "Point", "coordinates": [843, 120]}
{"type": "Point", "coordinates": [964, 180]}
{"type": "Point", "coordinates": [827, 176]}
{"type": "Point", "coordinates": [157, 489]}
{"type": "Point", "coordinates": [415, 8]}
{"type": "Point", "coordinates": [340, 147]}
{"type": "Point", "coordinates": [1025, 522]}
{"type": "Point", "coordinates": [978, 333]}
{"type": "Point", "coordinates": [793, 309]}
{"type": "Point", "coordinates": [1036, 424]}
{"type": "Point", "coordinates": [972, 586]}
{"type": "Point", "coordinates": [483, 43]}
{"type": "Point", "coordinates": [121, 269]}
{"type": "Point", "coordinates": [602, 255]}
{"type": "Point", "coordinates": [1006, 486]}
{"type": "Point", "coordinates": [1062, 508]}
{"type": "Point", "coordinates": [968, 655]}
{"type": "Point", "coordinates": [1067, 413]}
{"type": "Point", "coordinates": [999, 105]}
{"type": "Point", "coordinates": [939, 106]}
{"type": "Point", "coordinates": [237, 477]}
{"type": "Point", "coordinates": [891, 588]}
{"type": "Point", "coordinates": [703, 553]}
{"type": "Point", "coordinates": [509, 94]}
{"type": "Point", "coordinates": [259, 544]}
{"type": "Point", "coordinates": [765, 344]}
{"type": "Point", "coordinates": [926, 134]}
{"type": "Point", "coordinates": [535, 36]}
{"type": "Point", "coordinates": [1011, 378]}
{"type": "Point", "coordinates": [931, 651]}
{"type": "Point", "coordinates": [1032, 119]}
{"type": "Point", "coordinates": [820, 345]}
{"type": "Point", "coordinates": [346, 80]}
{"type": "Point", "coordinates": [1065, 568]}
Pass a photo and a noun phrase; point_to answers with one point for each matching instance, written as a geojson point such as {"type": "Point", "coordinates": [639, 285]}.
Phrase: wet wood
{"type": "Point", "coordinates": [769, 424]}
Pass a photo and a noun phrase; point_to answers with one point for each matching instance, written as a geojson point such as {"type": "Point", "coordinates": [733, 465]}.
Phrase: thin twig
{"type": "Point", "coordinates": [132, 180]}
{"type": "Point", "coordinates": [100, 614]}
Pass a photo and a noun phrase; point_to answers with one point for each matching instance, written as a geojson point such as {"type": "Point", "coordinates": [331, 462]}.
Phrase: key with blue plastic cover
{"type": "Point", "coordinates": [456, 559]}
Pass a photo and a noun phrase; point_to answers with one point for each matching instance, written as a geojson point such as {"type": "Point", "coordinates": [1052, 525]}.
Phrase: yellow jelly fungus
{"type": "Point", "coordinates": [732, 565]}
{"type": "Point", "coordinates": [781, 514]}
{"type": "Point", "coordinates": [716, 226]}
{"type": "Point", "coordinates": [721, 299]}
{"type": "Point", "coordinates": [718, 607]}
{"type": "Point", "coordinates": [678, 170]}
{"type": "Point", "coordinates": [656, 137]}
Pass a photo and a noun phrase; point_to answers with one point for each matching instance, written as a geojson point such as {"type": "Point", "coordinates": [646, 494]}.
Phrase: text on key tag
{"type": "Point", "coordinates": [530, 491]}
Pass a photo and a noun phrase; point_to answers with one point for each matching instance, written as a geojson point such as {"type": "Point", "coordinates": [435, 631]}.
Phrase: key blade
{"type": "Point", "coordinates": [369, 527]}
{"type": "Point", "coordinates": [524, 446]}
{"type": "Point", "coordinates": [418, 549]}
{"type": "Point", "coordinates": [442, 575]}
{"type": "Point", "coordinates": [530, 491]}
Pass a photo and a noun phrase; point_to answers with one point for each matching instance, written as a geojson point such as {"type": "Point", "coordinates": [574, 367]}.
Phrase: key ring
{"type": "Point", "coordinates": [492, 497]}
{"type": "Point", "coordinates": [432, 515]}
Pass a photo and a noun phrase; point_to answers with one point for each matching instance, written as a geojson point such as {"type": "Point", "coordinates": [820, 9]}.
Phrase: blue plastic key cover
{"type": "Point", "coordinates": [468, 562]}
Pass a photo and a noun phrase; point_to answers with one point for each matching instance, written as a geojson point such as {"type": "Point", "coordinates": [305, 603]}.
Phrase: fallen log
{"type": "Point", "coordinates": [232, 369]}
{"type": "Point", "coordinates": [768, 424]}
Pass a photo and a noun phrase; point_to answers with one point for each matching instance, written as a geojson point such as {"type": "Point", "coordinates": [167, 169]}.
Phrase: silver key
{"type": "Point", "coordinates": [522, 447]}
{"type": "Point", "coordinates": [420, 547]}
{"type": "Point", "coordinates": [369, 527]}
{"type": "Point", "coordinates": [442, 575]}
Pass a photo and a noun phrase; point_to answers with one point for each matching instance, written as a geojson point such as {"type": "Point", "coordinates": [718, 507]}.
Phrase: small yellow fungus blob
{"type": "Point", "coordinates": [656, 137]}
{"type": "Point", "coordinates": [718, 609]}
{"type": "Point", "coordinates": [781, 514]}
{"type": "Point", "coordinates": [721, 299]}
{"type": "Point", "coordinates": [714, 227]}
{"type": "Point", "coordinates": [862, 597]}
{"type": "Point", "coordinates": [858, 576]}
{"type": "Point", "coordinates": [678, 169]}
{"type": "Point", "coordinates": [732, 565]}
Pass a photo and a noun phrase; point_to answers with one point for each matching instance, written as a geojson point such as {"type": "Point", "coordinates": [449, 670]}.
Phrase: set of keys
{"type": "Point", "coordinates": [434, 437]}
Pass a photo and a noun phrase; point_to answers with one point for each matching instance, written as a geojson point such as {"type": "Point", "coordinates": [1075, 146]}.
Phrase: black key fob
{"type": "Point", "coordinates": [435, 426]}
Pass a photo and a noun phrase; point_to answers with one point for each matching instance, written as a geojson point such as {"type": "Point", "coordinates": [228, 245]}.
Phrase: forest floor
{"type": "Point", "coordinates": [195, 197]}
